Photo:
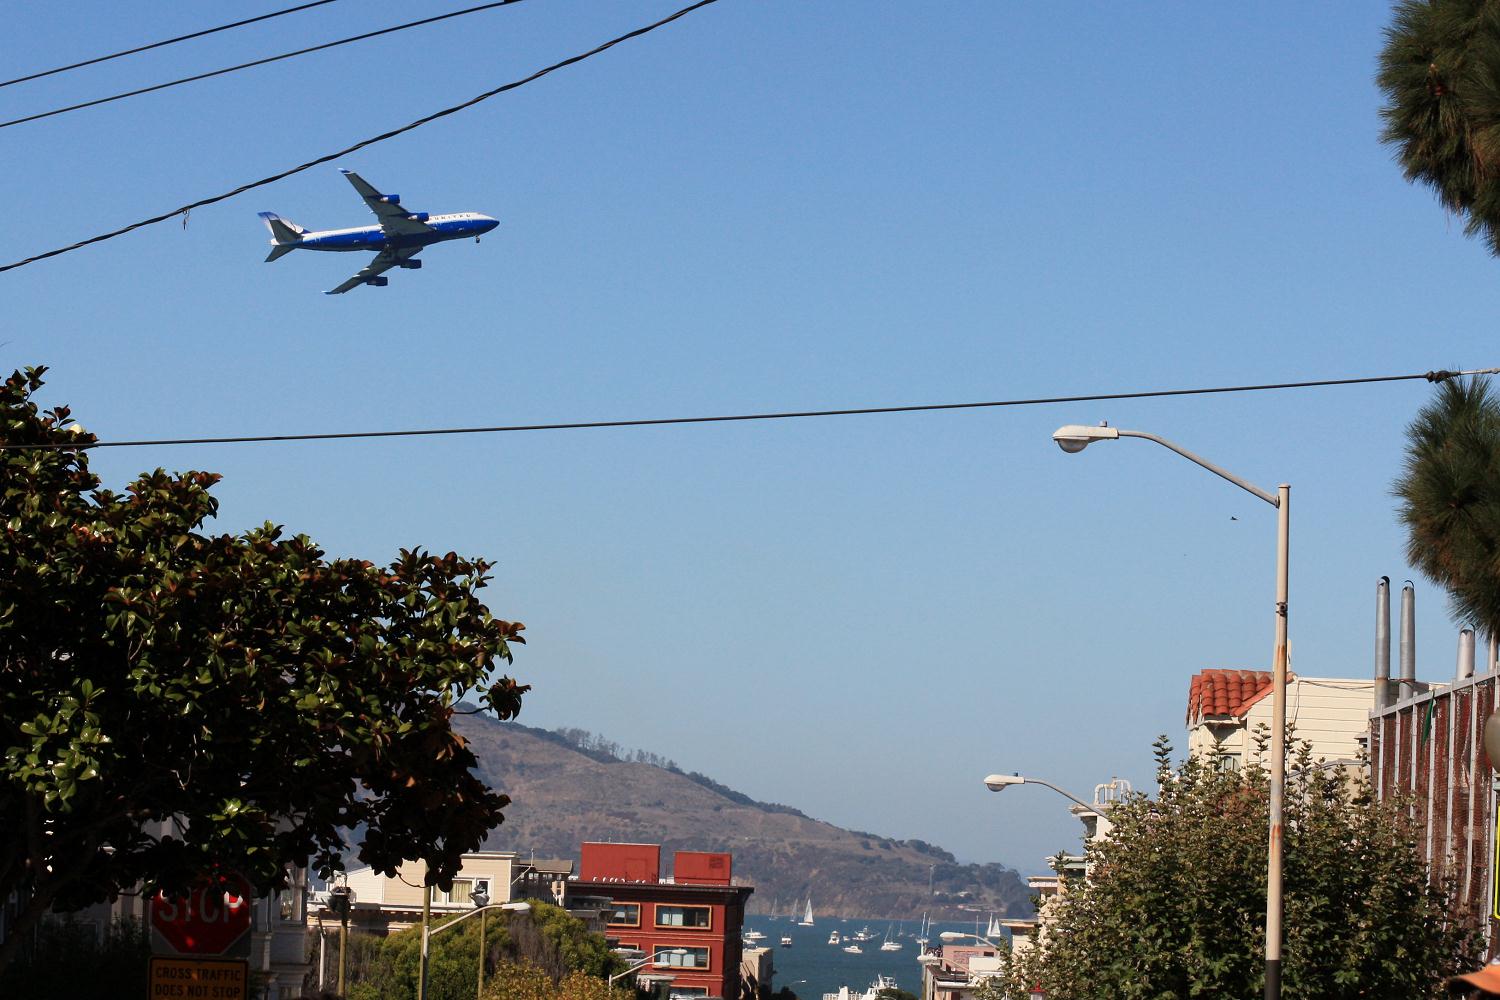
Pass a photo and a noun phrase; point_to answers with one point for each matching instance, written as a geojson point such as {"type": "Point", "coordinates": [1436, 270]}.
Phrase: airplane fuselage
{"type": "Point", "coordinates": [459, 226]}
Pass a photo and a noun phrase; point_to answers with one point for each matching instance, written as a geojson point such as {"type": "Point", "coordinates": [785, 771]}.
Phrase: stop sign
{"type": "Point", "coordinates": [211, 920]}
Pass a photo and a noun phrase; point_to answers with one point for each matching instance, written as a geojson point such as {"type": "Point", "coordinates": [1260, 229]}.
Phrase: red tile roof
{"type": "Point", "coordinates": [1226, 692]}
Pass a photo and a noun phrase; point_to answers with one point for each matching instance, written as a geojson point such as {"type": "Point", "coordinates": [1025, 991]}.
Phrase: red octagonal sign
{"type": "Point", "coordinates": [211, 920]}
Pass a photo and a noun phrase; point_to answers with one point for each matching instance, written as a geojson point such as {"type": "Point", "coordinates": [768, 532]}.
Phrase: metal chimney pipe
{"type": "Point", "coordinates": [1408, 641]}
{"type": "Point", "coordinates": [1382, 643]}
{"type": "Point", "coordinates": [1465, 653]}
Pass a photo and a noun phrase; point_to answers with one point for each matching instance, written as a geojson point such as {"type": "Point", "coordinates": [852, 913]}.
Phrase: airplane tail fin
{"type": "Point", "coordinates": [285, 233]}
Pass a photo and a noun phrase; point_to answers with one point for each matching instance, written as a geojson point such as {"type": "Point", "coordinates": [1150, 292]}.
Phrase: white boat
{"type": "Point", "coordinates": [993, 931]}
{"type": "Point", "coordinates": [922, 933]}
{"type": "Point", "coordinates": [833, 938]}
{"type": "Point", "coordinates": [873, 993]}
{"type": "Point", "coordinates": [854, 949]}
{"type": "Point", "coordinates": [807, 920]}
{"type": "Point", "coordinates": [754, 936]}
{"type": "Point", "coordinates": [786, 940]}
{"type": "Point", "coordinates": [864, 934]}
{"type": "Point", "coordinates": [888, 944]}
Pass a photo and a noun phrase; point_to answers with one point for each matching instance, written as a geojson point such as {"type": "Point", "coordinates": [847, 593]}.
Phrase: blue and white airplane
{"type": "Point", "coordinates": [399, 237]}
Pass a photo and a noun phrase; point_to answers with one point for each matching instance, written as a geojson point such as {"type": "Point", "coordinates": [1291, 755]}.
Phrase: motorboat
{"type": "Point", "coordinates": [854, 949]}
{"type": "Point", "coordinates": [786, 940]}
{"type": "Point", "coordinates": [833, 938]}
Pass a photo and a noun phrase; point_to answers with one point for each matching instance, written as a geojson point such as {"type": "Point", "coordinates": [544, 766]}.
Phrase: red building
{"type": "Point", "coordinates": [689, 923]}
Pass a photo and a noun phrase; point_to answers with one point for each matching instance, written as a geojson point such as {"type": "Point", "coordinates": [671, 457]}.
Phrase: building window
{"type": "Point", "coordinates": [625, 915]}
{"type": "Point", "coordinates": [684, 958]}
{"type": "Point", "coordinates": [458, 895]}
{"type": "Point", "coordinates": [286, 904]}
{"type": "Point", "coordinates": [684, 916]}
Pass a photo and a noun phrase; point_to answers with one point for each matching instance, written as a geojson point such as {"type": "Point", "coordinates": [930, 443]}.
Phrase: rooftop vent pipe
{"type": "Point", "coordinates": [1382, 643]}
{"type": "Point", "coordinates": [1465, 653]}
{"type": "Point", "coordinates": [1408, 641]}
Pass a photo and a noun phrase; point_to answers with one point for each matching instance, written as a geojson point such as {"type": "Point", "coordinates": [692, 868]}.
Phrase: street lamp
{"type": "Point", "coordinates": [1000, 782]}
{"type": "Point", "coordinates": [1073, 439]}
{"type": "Point", "coordinates": [481, 899]}
{"type": "Point", "coordinates": [645, 961]}
{"type": "Point", "coordinates": [429, 931]}
{"type": "Point", "coordinates": [340, 901]}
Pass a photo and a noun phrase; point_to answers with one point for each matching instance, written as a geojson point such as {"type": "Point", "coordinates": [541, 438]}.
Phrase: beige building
{"type": "Point", "coordinates": [1226, 707]}
{"type": "Point", "coordinates": [385, 904]}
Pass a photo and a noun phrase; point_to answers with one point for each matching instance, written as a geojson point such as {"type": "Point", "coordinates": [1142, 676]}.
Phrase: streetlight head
{"type": "Point", "coordinates": [952, 935]}
{"type": "Point", "coordinates": [1076, 437]}
{"type": "Point", "coordinates": [999, 782]}
{"type": "Point", "coordinates": [520, 907]}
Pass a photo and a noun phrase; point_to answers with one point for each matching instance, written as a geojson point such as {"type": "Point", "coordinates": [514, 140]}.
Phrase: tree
{"type": "Point", "coordinates": [1174, 904]}
{"type": "Point", "coordinates": [546, 942]}
{"type": "Point", "coordinates": [175, 705]}
{"type": "Point", "coordinates": [1440, 71]}
{"type": "Point", "coordinates": [98, 967]}
{"type": "Point", "coordinates": [1450, 498]}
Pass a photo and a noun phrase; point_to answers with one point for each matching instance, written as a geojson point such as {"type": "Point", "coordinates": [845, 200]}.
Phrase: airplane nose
{"type": "Point", "coordinates": [490, 224]}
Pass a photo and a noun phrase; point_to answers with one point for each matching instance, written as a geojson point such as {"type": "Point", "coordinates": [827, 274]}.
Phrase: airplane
{"type": "Point", "coordinates": [399, 236]}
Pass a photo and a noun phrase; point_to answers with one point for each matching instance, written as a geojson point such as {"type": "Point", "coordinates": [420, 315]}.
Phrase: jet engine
{"type": "Point", "coordinates": [417, 217]}
{"type": "Point", "coordinates": [410, 265]}
{"type": "Point", "coordinates": [391, 199]}
{"type": "Point", "coordinates": [379, 281]}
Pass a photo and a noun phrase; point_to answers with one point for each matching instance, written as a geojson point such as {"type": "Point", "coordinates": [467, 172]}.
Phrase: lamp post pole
{"type": "Point", "coordinates": [480, 899]}
{"type": "Point", "coordinates": [1074, 438]}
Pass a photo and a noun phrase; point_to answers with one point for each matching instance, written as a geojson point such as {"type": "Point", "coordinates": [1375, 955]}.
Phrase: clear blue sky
{"type": "Point", "coordinates": [787, 205]}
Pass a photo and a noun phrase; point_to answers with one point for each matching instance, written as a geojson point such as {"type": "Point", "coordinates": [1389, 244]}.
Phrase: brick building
{"type": "Point", "coordinates": [697, 913]}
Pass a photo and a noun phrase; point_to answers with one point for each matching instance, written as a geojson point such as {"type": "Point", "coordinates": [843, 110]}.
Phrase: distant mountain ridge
{"type": "Point", "coordinates": [564, 794]}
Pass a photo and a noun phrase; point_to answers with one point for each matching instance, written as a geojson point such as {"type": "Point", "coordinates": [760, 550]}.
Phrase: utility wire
{"type": "Point", "coordinates": [1433, 376]}
{"type": "Point", "coordinates": [256, 62]}
{"type": "Point", "coordinates": [361, 144]}
{"type": "Point", "coordinates": [168, 41]}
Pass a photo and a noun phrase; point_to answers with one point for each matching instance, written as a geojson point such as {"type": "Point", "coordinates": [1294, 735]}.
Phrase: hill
{"type": "Point", "coordinates": [564, 793]}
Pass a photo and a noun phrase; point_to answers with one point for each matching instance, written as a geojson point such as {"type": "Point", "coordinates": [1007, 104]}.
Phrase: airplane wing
{"type": "Point", "coordinates": [382, 262]}
{"type": "Point", "coordinates": [394, 220]}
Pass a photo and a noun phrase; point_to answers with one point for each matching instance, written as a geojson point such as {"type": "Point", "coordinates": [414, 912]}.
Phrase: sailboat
{"type": "Point", "coordinates": [993, 931]}
{"type": "Point", "coordinates": [922, 933]}
{"type": "Point", "coordinates": [888, 944]}
{"type": "Point", "coordinates": [807, 920]}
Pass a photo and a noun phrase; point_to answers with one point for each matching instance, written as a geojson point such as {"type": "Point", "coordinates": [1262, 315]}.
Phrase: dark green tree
{"type": "Point", "coordinates": [1449, 492]}
{"type": "Point", "coordinates": [66, 960]}
{"type": "Point", "coordinates": [175, 704]}
{"type": "Point", "coordinates": [1174, 903]}
{"type": "Point", "coordinates": [1440, 71]}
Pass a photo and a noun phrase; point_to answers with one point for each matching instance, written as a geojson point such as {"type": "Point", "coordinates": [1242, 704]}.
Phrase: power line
{"type": "Point", "coordinates": [168, 41]}
{"type": "Point", "coordinates": [362, 144]}
{"type": "Point", "coordinates": [257, 62]}
{"type": "Point", "coordinates": [1432, 376]}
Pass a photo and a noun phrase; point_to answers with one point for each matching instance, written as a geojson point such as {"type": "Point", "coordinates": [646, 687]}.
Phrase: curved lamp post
{"type": "Point", "coordinates": [1073, 439]}
{"type": "Point", "coordinates": [643, 962]}
{"type": "Point", "coordinates": [1000, 782]}
{"type": "Point", "coordinates": [480, 909]}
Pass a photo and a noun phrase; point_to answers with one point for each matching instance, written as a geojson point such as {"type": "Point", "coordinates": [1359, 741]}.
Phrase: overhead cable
{"type": "Point", "coordinates": [182, 210]}
{"type": "Point", "coordinates": [256, 62]}
{"type": "Point", "coordinates": [167, 41]}
{"type": "Point", "coordinates": [1432, 376]}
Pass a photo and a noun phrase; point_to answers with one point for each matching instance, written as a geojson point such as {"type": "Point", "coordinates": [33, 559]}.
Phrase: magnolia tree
{"type": "Point", "coordinates": [176, 704]}
{"type": "Point", "coordinates": [1175, 902]}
